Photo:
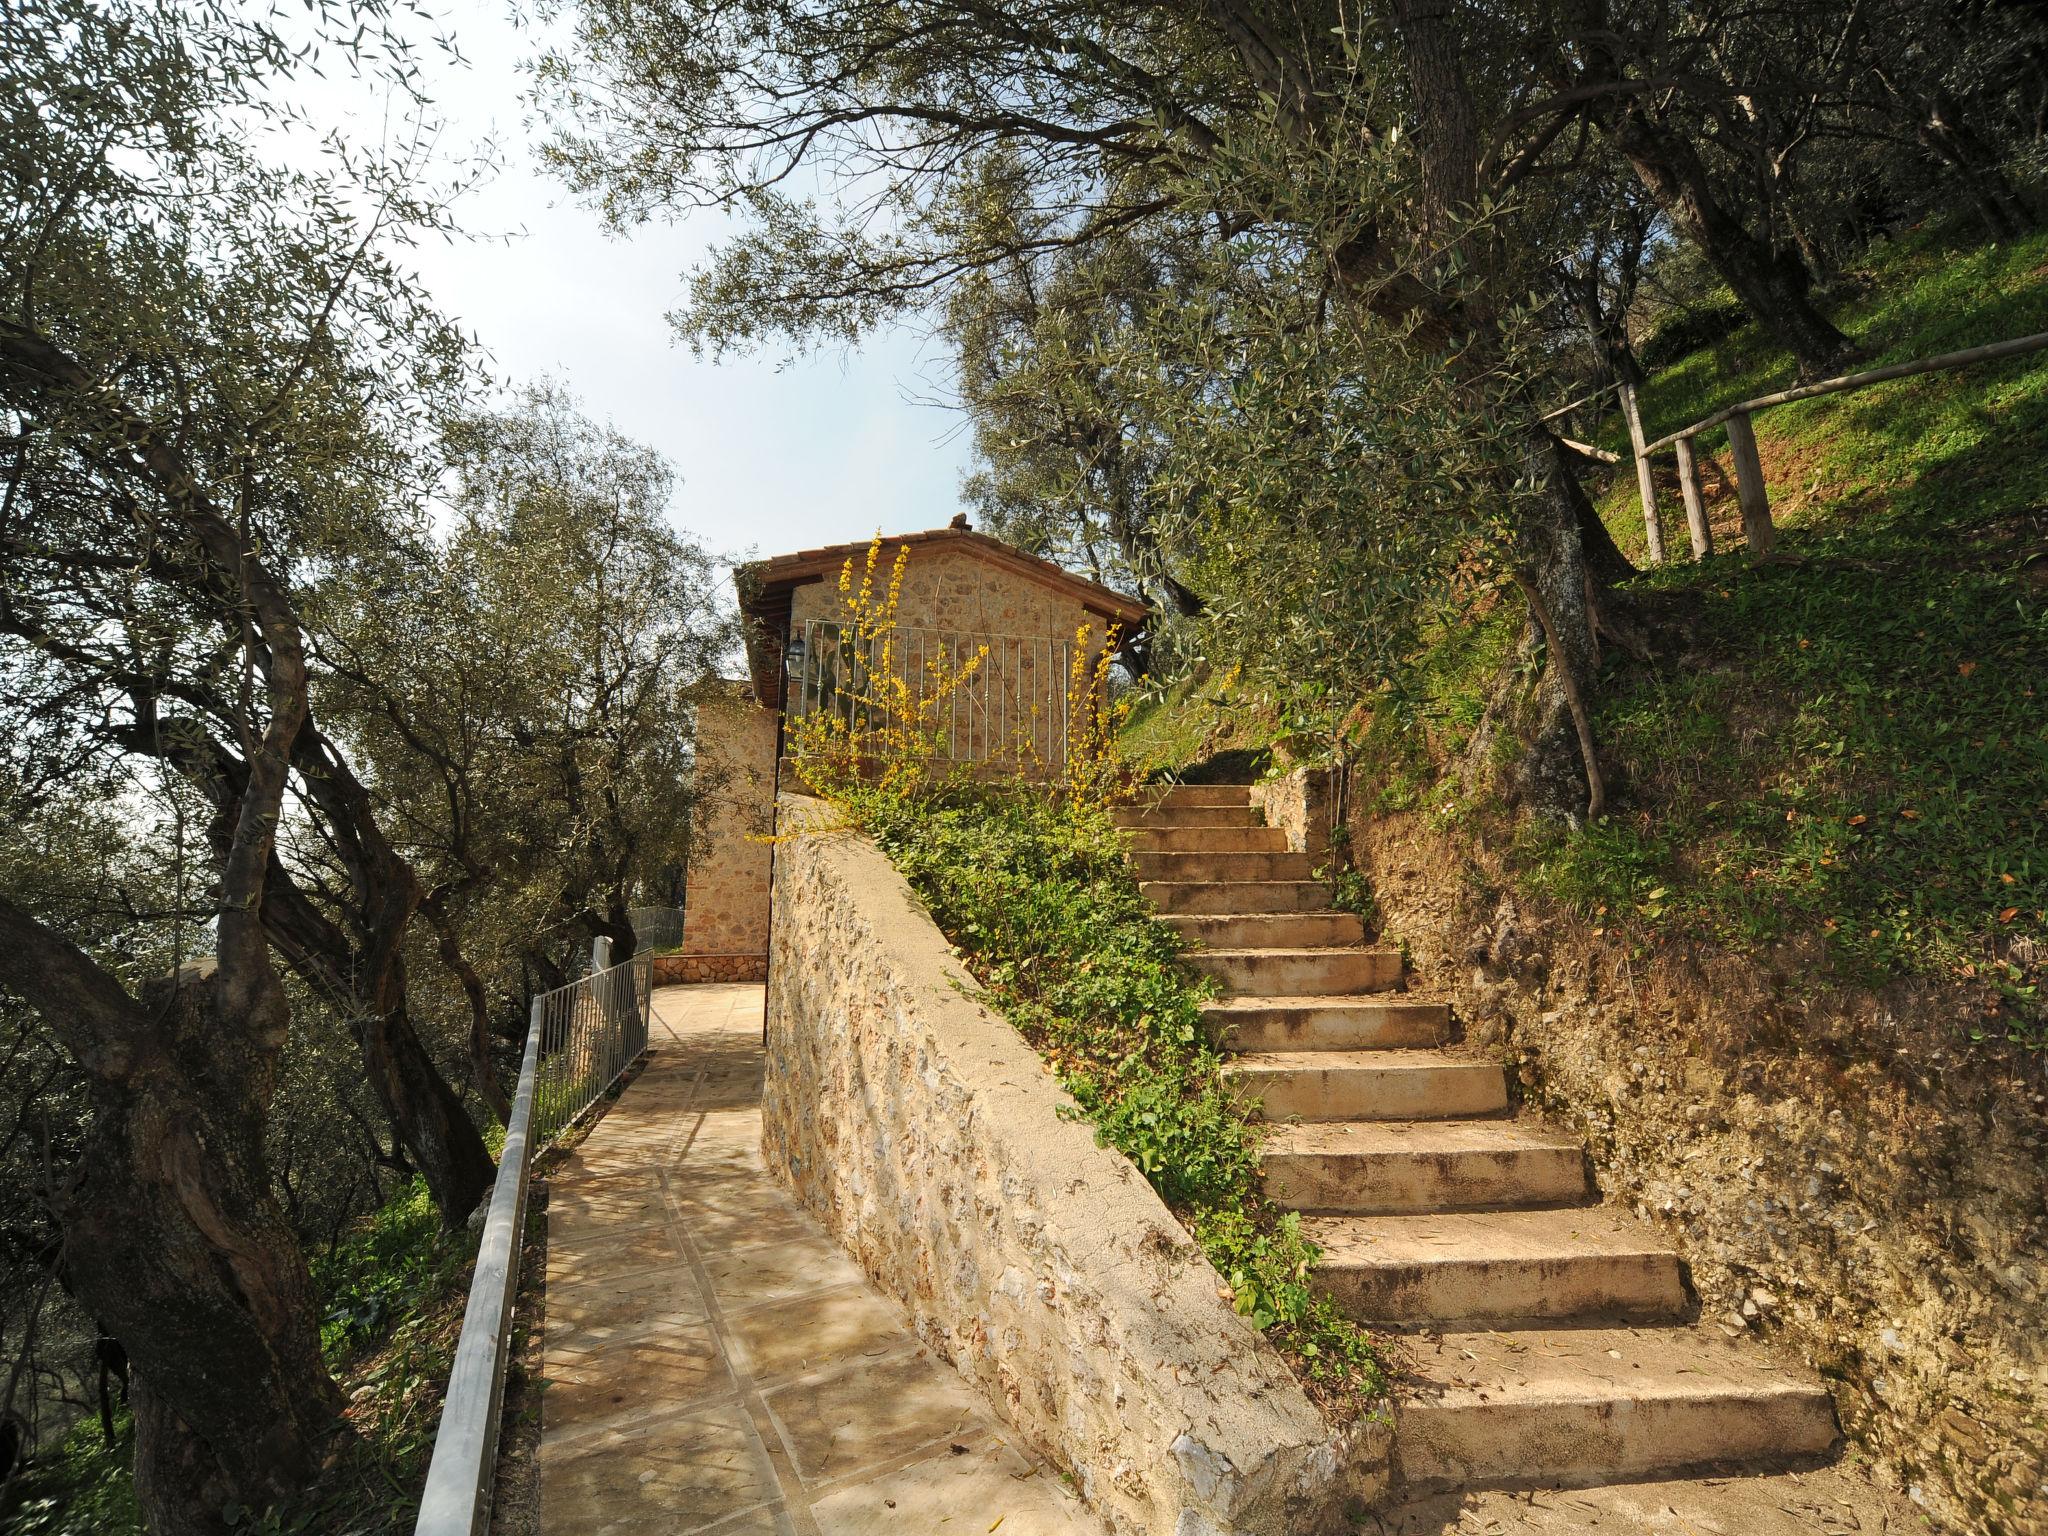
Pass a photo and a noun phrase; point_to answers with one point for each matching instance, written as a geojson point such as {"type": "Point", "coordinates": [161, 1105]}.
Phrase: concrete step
{"type": "Point", "coordinates": [1259, 930]}
{"type": "Point", "coordinates": [1368, 1085]}
{"type": "Point", "coordinates": [1226, 897]}
{"type": "Point", "coordinates": [1465, 1266]}
{"type": "Point", "coordinates": [1368, 1166]}
{"type": "Point", "coordinates": [1593, 1405]}
{"type": "Point", "coordinates": [1216, 867]}
{"type": "Point", "coordinates": [1323, 1023]}
{"type": "Point", "coordinates": [1182, 796]}
{"type": "Point", "coordinates": [1245, 839]}
{"type": "Point", "coordinates": [1300, 972]}
{"type": "Point", "coordinates": [1186, 816]}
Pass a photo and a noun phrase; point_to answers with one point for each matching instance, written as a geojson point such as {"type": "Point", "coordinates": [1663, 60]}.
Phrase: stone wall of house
{"type": "Point", "coordinates": [725, 910]}
{"type": "Point", "coordinates": [1014, 705]}
{"type": "Point", "coordinates": [960, 589]}
{"type": "Point", "coordinates": [928, 1136]}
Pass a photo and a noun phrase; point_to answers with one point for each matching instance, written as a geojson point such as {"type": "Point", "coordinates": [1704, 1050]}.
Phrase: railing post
{"type": "Point", "coordinates": [1757, 529]}
{"type": "Point", "coordinates": [647, 1008]}
{"type": "Point", "coordinates": [537, 1027]}
{"type": "Point", "coordinates": [1695, 503]}
{"type": "Point", "coordinates": [1646, 487]}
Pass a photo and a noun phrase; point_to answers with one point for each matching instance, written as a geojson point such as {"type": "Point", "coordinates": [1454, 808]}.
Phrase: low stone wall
{"type": "Point", "coordinates": [925, 1133]}
{"type": "Point", "coordinates": [678, 970]}
{"type": "Point", "coordinates": [1302, 804]}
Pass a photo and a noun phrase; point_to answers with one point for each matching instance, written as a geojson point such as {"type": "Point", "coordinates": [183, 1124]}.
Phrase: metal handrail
{"type": "Point", "coordinates": [580, 1039]}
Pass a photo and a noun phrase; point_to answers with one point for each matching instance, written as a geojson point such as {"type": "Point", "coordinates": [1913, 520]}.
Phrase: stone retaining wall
{"type": "Point", "coordinates": [676, 970]}
{"type": "Point", "coordinates": [928, 1136]}
{"type": "Point", "coordinates": [1302, 804]}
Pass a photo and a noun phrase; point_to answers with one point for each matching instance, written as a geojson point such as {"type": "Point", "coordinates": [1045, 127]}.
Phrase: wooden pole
{"type": "Point", "coordinates": [1695, 503]}
{"type": "Point", "coordinates": [2017, 347]}
{"type": "Point", "coordinates": [1646, 487]}
{"type": "Point", "coordinates": [1757, 529]}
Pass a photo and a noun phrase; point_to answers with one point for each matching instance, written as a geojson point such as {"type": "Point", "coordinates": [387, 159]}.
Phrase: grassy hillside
{"type": "Point", "coordinates": [1907, 458]}
{"type": "Point", "coordinates": [1863, 761]}
{"type": "Point", "coordinates": [1853, 769]}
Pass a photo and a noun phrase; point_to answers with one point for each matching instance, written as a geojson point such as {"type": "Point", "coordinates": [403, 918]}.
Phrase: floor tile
{"type": "Point", "coordinates": [610, 1254]}
{"type": "Point", "coordinates": [843, 1422]}
{"type": "Point", "coordinates": [581, 1222]}
{"type": "Point", "coordinates": [789, 1338]}
{"type": "Point", "coordinates": [775, 1271]}
{"type": "Point", "coordinates": [619, 1380]}
{"type": "Point", "coordinates": [580, 1317]}
{"type": "Point", "coordinates": [728, 1215]}
{"type": "Point", "coordinates": [990, 1488]}
{"type": "Point", "coordinates": [667, 1475]}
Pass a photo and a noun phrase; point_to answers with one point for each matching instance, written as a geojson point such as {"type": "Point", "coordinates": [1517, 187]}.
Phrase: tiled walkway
{"type": "Point", "coordinates": [716, 1363]}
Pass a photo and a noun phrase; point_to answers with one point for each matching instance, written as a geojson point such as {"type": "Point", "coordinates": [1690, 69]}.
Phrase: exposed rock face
{"type": "Point", "coordinates": [929, 1137]}
{"type": "Point", "coordinates": [1842, 1171]}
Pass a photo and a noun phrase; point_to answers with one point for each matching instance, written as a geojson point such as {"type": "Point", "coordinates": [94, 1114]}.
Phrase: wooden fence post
{"type": "Point", "coordinates": [1653, 530]}
{"type": "Point", "coordinates": [1757, 529]}
{"type": "Point", "coordinates": [1695, 504]}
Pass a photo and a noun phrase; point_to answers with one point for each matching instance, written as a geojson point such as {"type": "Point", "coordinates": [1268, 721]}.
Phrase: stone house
{"type": "Point", "coordinates": [962, 591]}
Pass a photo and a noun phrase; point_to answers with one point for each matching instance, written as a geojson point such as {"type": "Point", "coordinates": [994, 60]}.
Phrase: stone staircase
{"type": "Point", "coordinates": [1544, 1338]}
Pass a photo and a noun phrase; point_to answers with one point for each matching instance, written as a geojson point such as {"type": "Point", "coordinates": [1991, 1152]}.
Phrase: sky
{"type": "Point", "coordinates": [773, 454]}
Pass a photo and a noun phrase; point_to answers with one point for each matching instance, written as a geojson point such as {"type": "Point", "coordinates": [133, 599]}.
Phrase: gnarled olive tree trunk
{"type": "Point", "coordinates": [175, 1245]}
{"type": "Point", "coordinates": [1774, 290]}
{"type": "Point", "coordinates": [171, 1238]}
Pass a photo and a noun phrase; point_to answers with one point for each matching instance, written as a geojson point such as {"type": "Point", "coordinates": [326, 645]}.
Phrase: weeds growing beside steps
{"type": "Point", "coordinates": [1038, 899]}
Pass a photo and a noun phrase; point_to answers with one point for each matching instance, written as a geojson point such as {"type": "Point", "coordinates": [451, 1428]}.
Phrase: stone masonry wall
{"type": "Point", "coordinates": [1015, 700]}
{"type": "Point", "coordinates": [686, 970]}
{"type": "Point", "coordinates": [928, 1136]}
{"type": "Point", "coordinates": [958, 589]}
{"type": "Point", "coordinates": [725, 910]}
{"type": "Point", "coordinates": [1302, 804]}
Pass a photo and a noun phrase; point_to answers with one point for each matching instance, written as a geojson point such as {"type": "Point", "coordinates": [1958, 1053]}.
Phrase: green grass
{"type": "Point", "coordinates": [1862, 765]}
{"type": "Point", "coordinates": [392, 1296]}
{"type": "Point", "coordinates": [1898, 460]}
{"type": "Point", "coordinates": [1038, 897]}
{"type": "Point", "coordinates": [1865, 764]}
{"type": "Point", "coordinates": [1403, 743]}
{"type": "Point", "coordinates": [82, 1488]}
{"type": "Point", "coordinates": [1194, 719]}
{"type": "Point", "coordinates": [395, 1262]}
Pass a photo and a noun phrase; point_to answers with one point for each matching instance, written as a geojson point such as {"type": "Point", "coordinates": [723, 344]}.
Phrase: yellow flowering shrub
{"type": "Point", "coordinates": [881, 708]}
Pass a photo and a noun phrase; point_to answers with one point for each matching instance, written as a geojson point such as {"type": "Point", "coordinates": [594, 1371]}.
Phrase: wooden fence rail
{"type": "Point", "coordinates": [1758, 531]}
